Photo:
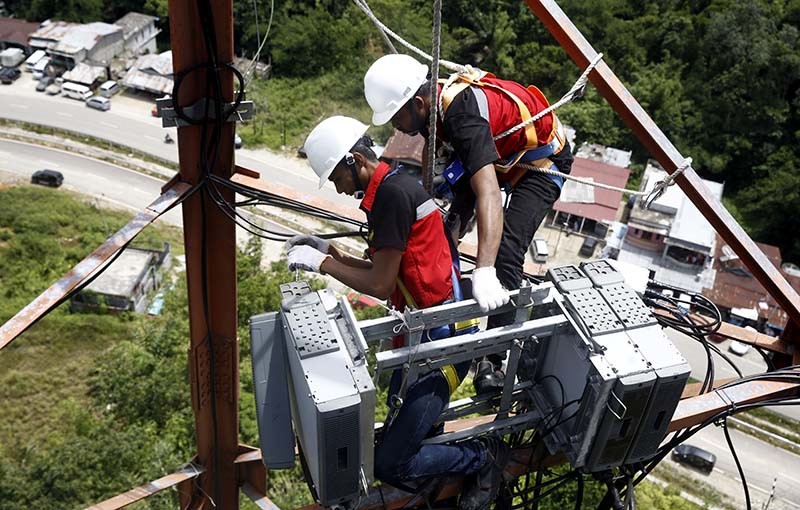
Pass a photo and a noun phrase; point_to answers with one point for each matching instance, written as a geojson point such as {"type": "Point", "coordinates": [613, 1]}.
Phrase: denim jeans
{"type": "Point", "coordinates": [400, 457]}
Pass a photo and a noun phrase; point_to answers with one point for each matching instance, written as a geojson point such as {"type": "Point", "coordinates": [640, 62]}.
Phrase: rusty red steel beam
{"type": "Point", "coordinates": [651, 136]}
{"type": "Point", "coordinates": [251, 179]}
{"type": "Point", "coordinates": [139, 493]}
{"type": "Point", "coordinates": [747, 336]}
{"type": "Point", "coordinates": [210, 241]}
{"type": "Point", "coordinates": [89, 265]}
{"type": "Point", "coordinates": [695, 410]}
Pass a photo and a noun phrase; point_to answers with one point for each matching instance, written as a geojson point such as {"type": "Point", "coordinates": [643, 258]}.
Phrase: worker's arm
{"type": "Point", "coordinates": [489, 211]}
{"type": "Point", "coordinates": [348, 260]}
{"type": "Point", "coordinates": [377, 280]}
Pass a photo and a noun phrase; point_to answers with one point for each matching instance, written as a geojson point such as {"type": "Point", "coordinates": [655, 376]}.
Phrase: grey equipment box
{"type": "Point", "coordinates": [331, 396]}
{"type": "Point", "coordinates": [613, 408]}
{"type": "Point", "coordinates": [671, 369]}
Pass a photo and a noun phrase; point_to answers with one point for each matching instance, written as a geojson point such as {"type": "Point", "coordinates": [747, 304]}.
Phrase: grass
{"type": "Point", "coordinates": [46, 232]}
{"type": "Point", "coordinates": [674, 478]}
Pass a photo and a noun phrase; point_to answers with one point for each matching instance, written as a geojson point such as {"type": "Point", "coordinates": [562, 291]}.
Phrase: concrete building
{"type": "Point", "coordinates": [672, 237]}
{"type": "Point", "coordinates": [126, 284]}
{"type": "Point", "coordinates": [93, 43]}
{"type": "Point", "coordinates": [603, 154]}
{"type": "Point", "coordinates": [14, 33]}
{"type": "Point", "coordinates": [138, 33]}
{"type": "Point", "coordinates": [151, 73]}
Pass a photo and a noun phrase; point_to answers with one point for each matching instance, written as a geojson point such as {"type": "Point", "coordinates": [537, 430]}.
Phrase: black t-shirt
{"type": "Point", "coordinates": [469, 133]}
{"type": "Point", "coordinates": [394, 211]}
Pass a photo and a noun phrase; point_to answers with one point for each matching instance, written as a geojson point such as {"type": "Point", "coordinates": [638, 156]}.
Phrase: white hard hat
{"type": "Point", "coordinates": [390, 82]}
{"type": "Point", "coordinates": [330, 141]}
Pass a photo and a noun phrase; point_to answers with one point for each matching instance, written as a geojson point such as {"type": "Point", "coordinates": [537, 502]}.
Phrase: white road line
{"type": "Point", "coordinates": [791, 503]}
{"type": "Point", "coordinates": [48, 163]}
{"type": "Point", "coordinates": [154, 138]}
{"type": "Point", "coordinates": [750, 485]}
{"type": "Point", "coordinates": [782, 476]}
{"type": "Point", "coordinates": [718, 445]}
{"type": "Point", "coordinates": [62, 114]}
{"type": "Point", "coordinates": [17, 105]}
{"type": "Point", "coordinates": [108, 124]}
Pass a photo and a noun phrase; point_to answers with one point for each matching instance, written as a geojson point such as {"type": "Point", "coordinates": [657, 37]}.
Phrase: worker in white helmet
{"type": "Point", "coordinates": [410, 263]}
{"type": "Point", "coordinates": [475, 113]}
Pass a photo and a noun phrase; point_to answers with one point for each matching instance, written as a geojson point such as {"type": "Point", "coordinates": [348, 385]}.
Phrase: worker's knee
{"type": "Point", "coordinates": [388, 467]}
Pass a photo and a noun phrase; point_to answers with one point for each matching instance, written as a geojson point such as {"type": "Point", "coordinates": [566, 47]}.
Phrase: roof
{"type": "Point", "coordinates": [84, 74]}
{"type": "Point", "coordinates": [608, 155]}
{"type": "Point", "coordinates": [406, 148]}
{"type": "Point", "coordinates": [734, 287]}
{"type": "Point", "coordinates": [151, 73]}
{"type": "Point", "coordinates": [84, 37]}
{"type": "Point", "coordinates": [691, 229]}
{"type": "Point", "coordinates": [52, 31]}
{"type": "Point", "coordinates": [606, 202]}
{"type": "Point", "coordinates": [133, 22]}
{"type": "Point", "coordinates": [123, 274]}
{"type": "Point", "coordinates": [16, 30]}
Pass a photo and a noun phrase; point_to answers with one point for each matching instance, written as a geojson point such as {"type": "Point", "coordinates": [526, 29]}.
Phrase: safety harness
{"type": "Point", "coordinates": [535, 152]}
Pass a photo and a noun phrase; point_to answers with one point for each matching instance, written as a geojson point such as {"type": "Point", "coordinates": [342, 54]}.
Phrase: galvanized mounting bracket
{"type": "Point", "coordinates": [197, 111]}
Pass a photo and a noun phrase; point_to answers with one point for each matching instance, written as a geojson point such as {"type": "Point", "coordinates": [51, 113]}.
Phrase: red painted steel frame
{"type": "Point", "coordinates": [206, 227]}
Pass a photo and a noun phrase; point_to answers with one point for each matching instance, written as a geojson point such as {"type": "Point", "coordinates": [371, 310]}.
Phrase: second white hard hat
{"type": "Point", "coordinates": [390, 82]}
{"type": "Point", "coordinates": [329, 142]}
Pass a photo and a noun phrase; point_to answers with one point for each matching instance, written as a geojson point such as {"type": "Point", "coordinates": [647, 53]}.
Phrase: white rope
{"type": "Point", "coordinates": [452, 66]}
{"type": "Point", "coordinates": [252, 67]}
{"type": "Point", "coordinates": [365, 7]}
{"type": "Point", "coordinates": [661, 186]}
{"type": "Point", "coordinates": [581, 180]}
{"type": "Point", "coordinates": [574, 93]}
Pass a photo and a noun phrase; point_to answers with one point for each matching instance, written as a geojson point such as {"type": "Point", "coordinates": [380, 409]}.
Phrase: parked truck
{"type": "Point", "coordinates": [11, 57]}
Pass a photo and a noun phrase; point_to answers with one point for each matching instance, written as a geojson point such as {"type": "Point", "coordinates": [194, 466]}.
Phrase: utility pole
{"type": "Point", "coordinates": [210, 241]}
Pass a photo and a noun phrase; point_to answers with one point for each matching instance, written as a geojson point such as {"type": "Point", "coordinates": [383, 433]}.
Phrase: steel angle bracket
{"type": "Point", "coordinates": [204, 108]}
{"type": "Point", "coordinates": [40, 306]}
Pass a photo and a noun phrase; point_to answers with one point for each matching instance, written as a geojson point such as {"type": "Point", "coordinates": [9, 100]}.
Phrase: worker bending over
{"type": "Point", "coordinates": [411, 264]}
{"type": "Point", "coordinates": [474, 108]}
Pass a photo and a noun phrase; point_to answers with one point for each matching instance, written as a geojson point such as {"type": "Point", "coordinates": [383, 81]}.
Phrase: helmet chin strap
{"type": "Point", "coordinates": [351, 163]}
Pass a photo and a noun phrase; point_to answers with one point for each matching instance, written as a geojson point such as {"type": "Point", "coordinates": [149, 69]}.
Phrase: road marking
{"type": "Point", "coordinates": [16, 105]}
{"type": "Point", "coordinates": [718, 445]}
{"type": "Point", "coordinates": [48, 163]}
{"type": "Point", "coordinates": [62, 114]}
{"type": "Point", "coordinates": [784, 475]}
{"type": "Point", "coordinates": [108, 124]}
{"type": "Point", "coordinates": [154, 138]}
{"type": "Point", "coordinates": [750, 485]}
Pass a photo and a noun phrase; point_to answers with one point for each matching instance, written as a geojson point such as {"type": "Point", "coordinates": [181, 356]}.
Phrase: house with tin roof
{"type": "Point", "coordinates": [93, 43]}
{"type": "Point", "coordinates": [138, 33]}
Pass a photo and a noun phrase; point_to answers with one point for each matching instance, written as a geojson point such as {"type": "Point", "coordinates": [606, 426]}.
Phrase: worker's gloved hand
{"type": "Point", "coordinates": [306, 240]}
{"type": "Point", "coordinates": [306, 258]}
{"type": "Point", "coordinates": [486, 289]}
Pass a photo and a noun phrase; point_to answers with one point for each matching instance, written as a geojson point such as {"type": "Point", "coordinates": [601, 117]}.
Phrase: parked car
{"type": "Point", "coordinates": [45, 82]}
{"type": "Point", "coordinates": [8, 75]}
{"type": "Point", "coordinates": [539, 251]}
{"type": "Point", "coordinates": [99, 103]}
{"type": "Point", "coordinates": [53, 89]}
{"type": "Point", "coordinates": [588, 247]}
{"type": "Point", "coordinates": [109, 88]}
{"type": "Point", "coordinates": [694, 456]}
{"type": "Point", "coordinates": [738, 348]}
{"type": "Point", "coordinates": [52, 178]}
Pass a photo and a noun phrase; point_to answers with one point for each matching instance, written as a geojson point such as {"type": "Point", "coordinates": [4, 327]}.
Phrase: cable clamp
{"type": "Point", "coordinates": [661, 187]}
{"type": "Point", "coordinates": [204, 109]}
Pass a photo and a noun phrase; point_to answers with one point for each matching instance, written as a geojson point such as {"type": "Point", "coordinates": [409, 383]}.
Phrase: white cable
{"type": "Point", "coordinates": [581, 180]}
{"type": "Point", "coordinates": [251, 67]}
{"type": "Point", "coordinates": [452, 66]}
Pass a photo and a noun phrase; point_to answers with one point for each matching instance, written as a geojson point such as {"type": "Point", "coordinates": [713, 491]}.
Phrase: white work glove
{"type": "Point", "coordinates": [486, 289]}
{"type": "Point", "coordinates": [305, 258]}
{"type": "Point", "coordinates": [307, 240]}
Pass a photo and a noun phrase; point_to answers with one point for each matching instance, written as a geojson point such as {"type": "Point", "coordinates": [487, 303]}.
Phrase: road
{"type": "Point", "coordinates": [761, 463]}
{"type": "Point", "coordinates": [129, 123]}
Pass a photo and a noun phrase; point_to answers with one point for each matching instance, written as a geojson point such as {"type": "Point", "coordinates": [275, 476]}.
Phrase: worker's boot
{"type": "Point", "coordinates": [488, 379]}
{"type": "Point", "coordinates": [482, 489]}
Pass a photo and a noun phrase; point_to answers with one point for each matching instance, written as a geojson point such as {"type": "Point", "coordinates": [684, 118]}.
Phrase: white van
{"type": "Point", "coordinates": [76, 91]}
{"type": "Point", "coordinates": [108, 88]}
{"type": "Point", "coordinates": [33, 59]}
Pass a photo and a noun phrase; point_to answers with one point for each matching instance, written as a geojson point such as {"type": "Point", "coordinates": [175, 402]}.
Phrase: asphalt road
{"type": "Point", "coordinates": [129, 123]}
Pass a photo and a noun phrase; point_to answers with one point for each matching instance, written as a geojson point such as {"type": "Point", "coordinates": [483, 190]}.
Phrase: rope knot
{"type": "Point", "coordinates": [661, 186]}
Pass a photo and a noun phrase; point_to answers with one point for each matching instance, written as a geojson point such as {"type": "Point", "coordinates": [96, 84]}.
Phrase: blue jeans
{"type": "Point", "coordinates": [400, 457]}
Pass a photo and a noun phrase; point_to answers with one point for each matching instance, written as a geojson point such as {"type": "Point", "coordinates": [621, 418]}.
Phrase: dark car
{"type": "Point", "coordinates": [696, 457]}
{"type": "Point", "coordinates": [8, 75]}
{"type": "Point", "coordinates": [588, 246]}
{"type": "Point", "coordinates": [52, 178]}
{"type": "Point", "coordinates": [44, 83]}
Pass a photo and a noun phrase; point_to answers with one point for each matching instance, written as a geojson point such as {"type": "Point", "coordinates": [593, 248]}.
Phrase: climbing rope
{"type": "Point", "coordinates": [427, 176]}
{"type": "Point", "coordinates": [366, 8]}
{"type": "Point", "coordinates": [661, 186]}
{"type": "Point", "coordinates": [452, 66]}
{"type": "Point", "coordinates": [581, 180]}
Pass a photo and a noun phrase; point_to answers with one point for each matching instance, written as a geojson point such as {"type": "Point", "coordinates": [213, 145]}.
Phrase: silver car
{"type": "Point", "coordinates": [99, 103]}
